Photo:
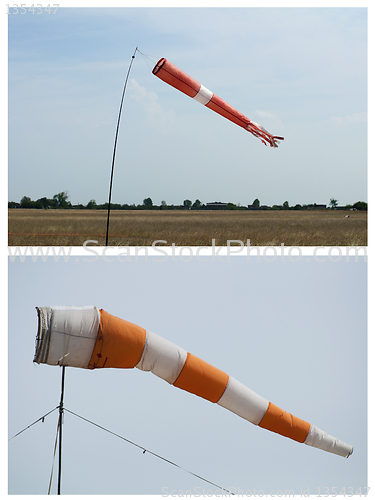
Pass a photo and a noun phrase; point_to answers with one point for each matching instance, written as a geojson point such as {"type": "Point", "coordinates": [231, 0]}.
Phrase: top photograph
{"type": "Point", "coordinates": [187, 126]}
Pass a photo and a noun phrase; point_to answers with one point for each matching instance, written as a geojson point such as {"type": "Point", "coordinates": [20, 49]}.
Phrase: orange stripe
{"type": "Point", "coordinates": [119, 343]}
{"type": "Point", "coordinates": [201, 378]}
{"type": "Point", "coordinates": [277, 420]}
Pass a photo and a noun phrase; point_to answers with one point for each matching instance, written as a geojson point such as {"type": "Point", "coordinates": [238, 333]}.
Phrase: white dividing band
{"type": "Point", "coordinates": [243, 401]}
{"type": "Point", "coordinates": [204, 95]}
{"type": "Point", "coordinates": [67, 334]}
{"type": "Point", "coordinates": [163, 358]}
{"type": "Point", "coordinates": [322, 440]}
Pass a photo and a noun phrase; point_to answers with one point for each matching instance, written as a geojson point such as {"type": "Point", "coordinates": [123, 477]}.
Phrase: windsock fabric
{"type": "Point", "coordinates": [172, 75]}
{"type": "Point", "coordinates": [86, 337]}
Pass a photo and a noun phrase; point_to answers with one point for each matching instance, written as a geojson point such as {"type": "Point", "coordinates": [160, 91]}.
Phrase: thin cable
{"type": "Point", "coordinates": [148, 451]}
{"type": "Point", "coordinates": [114, 148]}
{"type": "Point", "coordinates": [145, 56]}
{"type": "Point", "coordinates": [36, 421]}
{"type": "Point", "coordinates": [148, 56]}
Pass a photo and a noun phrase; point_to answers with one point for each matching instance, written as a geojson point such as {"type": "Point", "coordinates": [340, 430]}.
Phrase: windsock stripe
{"type": "Point", "coordinates": [201, 378]}
{"type": "Point", "coordinates": [119, 343]}
{"type": "Point", "coordinates": [204, 95]}
{"type": "Point", "coordinates": [280, 421]}
{"type": "Point", "coordinates": [243, 401]}
{"type": "Point", "coordinates": [161, 357]}
{"type": "Point", "coordinates": [320, 439]}
{"type": "Point", "coordinates": [66, 343]}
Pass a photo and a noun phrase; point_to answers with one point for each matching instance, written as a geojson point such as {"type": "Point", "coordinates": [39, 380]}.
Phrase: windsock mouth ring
{"type": "Point", "coordinates": [42, 340]}
{"type": "Point", "coordinates": [158, 65]}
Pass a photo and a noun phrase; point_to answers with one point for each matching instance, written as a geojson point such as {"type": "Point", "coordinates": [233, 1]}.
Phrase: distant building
{"type": "Point", "coordinates": [216, 205]}
{"type": "Point", "coordinates": [316, 207]}
{"type": "Point", "coordinates": [253, 207]}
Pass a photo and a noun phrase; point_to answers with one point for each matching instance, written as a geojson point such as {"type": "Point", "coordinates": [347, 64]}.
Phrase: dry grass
{"type": "Point", "coordinates": [194, 228]}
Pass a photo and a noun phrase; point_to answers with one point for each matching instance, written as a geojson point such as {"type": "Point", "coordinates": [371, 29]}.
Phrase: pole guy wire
{"type": "Point", "coordinates": [149, 451]}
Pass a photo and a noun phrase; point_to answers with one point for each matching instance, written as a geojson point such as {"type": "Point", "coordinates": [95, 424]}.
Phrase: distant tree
{"type": "Point", "coordinates": [92, 205]}
{"type": "Point", "coordinates": [46, 203]}
{"type": "Point", "coordinates": [163, 204]}
{"type": "Point", "coordinates": [286, 205]}
{"type": "Point", "coordinates": [360, 205]}
{"type": "Point", "coordinates": [61, 199]}
{"type": "Point", "coordinates": [187, 204]}
{"type": "Point", "coordinates": [197, 204]}
{"type": "Point", "coordinates": [256, 203]}
{"type": "Point", "coordinates": [26, 202]}
{"type": "Point", "coordinates": [333, 203]}
{"type": "Point", "coordinates": [231, 206]}
{"type": "Point", "coordinates": [147, 202]}
{"type": "Point", "coordinates": [297, 207]}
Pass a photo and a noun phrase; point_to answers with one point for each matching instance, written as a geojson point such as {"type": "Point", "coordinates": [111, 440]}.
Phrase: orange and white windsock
{"type": "Point", "coordinates": [175, 77]}
{"type": "Point", "coordinates": [86, 337]}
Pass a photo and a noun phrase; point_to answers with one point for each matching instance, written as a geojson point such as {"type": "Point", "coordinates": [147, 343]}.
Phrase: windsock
{"type": "Point", "coordinates": [86, 337]}
{"type": "Point", "coordinates": [172, 75]}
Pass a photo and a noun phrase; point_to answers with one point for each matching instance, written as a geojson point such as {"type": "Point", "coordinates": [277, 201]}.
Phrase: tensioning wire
{"type": "Point", "coordinates": [149, 451]}
{"type": "Point", "coordinates": [54, 455]}
{"type": "Point", "coordinates": [145, 56]}
{"type": "Point", "coordinates": [36, 421]}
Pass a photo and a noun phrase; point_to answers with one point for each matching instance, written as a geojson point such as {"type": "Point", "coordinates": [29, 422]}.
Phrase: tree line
{"type": "Point", "coordinates": [60, 201]}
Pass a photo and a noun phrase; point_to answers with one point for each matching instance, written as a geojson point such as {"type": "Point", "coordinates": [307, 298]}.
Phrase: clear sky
{"type": "Point", "coordinates": [301, 73]}
{"type": "Point", "coordinates": [294, 332]}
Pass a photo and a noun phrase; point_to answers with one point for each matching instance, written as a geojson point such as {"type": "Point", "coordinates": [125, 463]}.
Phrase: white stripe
{"type": "Point", "coordinates": [243, 401]}
{"type": "Point", "coordinates": [322, 440]}
{"type": "Point", "coordinates": [204, 95]}
{"type": "Point", "coordinates": [163, 358]}
{"type": "Point", "coordinates": [67, 335]}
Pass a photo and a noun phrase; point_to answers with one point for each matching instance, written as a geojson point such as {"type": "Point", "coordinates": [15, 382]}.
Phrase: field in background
{"type": "Point", "coordinates": [188, 227]}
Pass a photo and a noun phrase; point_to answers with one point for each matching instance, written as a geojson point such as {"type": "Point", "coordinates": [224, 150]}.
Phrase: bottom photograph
{"type": "Point", "coordinates": [278, 346]}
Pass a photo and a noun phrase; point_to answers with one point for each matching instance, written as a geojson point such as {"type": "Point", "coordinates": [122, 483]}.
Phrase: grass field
{"type": "Point", "coordinates": [190, 228]}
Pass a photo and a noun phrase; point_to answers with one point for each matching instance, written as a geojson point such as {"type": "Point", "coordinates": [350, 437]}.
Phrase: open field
{"type": "Point", "coordinates": [193, 228]}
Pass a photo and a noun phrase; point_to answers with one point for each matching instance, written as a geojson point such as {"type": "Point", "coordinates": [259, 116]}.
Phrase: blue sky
{"type": "Point", "coordinates": [301, 73]}
{"type": "Point", "coordinates": [294, 332]}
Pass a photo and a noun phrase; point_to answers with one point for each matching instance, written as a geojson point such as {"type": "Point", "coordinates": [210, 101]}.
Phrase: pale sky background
{"type": "Point", "coordinates": [301, 73]}
{"type": "Point", "coordinates": [294, 332]}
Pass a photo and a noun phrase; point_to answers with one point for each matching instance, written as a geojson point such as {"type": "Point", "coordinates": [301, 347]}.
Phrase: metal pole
{"type": "Point", "coordinates": [60, 427]}
{"type": "Point", "coordinates": [114, 148]}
